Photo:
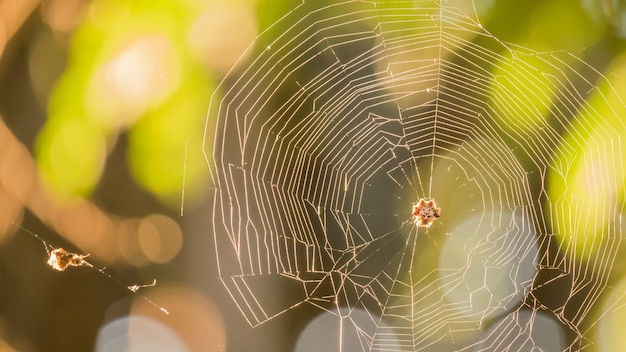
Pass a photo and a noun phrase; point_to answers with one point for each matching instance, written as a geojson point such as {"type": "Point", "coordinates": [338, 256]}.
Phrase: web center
{"type": "Point", "coordinates": [425, 212]}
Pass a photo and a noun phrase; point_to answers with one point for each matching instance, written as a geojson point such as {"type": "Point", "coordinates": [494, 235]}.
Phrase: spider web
{"type": "Point", "coordinates": [347, 114]}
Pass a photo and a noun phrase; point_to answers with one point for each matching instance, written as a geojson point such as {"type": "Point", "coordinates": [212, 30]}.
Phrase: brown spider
{"type": "Point", "coordinates": [425, 212]}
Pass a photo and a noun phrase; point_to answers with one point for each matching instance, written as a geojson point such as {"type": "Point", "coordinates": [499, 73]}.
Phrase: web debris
{"type": "Point", "coordinates": [60, 259]}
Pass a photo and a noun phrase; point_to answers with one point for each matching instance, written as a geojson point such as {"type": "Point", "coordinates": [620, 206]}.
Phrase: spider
{"type": "Point", "coordinates": [59, 259]}
{"type": "Point", "coordinates": [425, 212]}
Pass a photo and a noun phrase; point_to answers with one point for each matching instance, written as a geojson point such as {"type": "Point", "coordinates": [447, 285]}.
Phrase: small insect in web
{"type": "Point", "coordinates": [60, 259]}
{"type": "Point", "coordinates": [425, 212]}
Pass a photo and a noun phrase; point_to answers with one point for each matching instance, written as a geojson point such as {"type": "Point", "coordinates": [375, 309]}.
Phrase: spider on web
{"type": "Point", "coordinates": [425, 212]}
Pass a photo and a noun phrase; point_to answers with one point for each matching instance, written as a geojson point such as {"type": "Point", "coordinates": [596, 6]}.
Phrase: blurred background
{"type": "Point", "coordinates": [102, 116]}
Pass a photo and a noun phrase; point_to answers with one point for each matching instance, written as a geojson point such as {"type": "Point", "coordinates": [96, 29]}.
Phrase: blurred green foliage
{"type": "Point", "coordinates": [86, 117]}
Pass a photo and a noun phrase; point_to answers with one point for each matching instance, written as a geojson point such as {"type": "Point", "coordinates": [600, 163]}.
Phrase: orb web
{"type": "Point", "coordinates": [346, 114]}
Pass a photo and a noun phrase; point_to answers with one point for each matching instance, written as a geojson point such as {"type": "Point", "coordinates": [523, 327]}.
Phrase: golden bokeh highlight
{"type": "Point", "coordinates": [155, 238]}
{"type": "Point", "coordinates": [63, 15]}
{"type": "Point", "coordinates": [89, 228]}
{"type": "Point", "coordinates": [160, 238]}
{"type": "Point", "coordinates": [5, 347]}
{"type": "Point", "coordinates": [128, 243]}
{"type": "Point", "coordinates": [17, 170]}
{"type": "Point", "coordinates": [221, 32]}
{"type": "Point", "coordinates": [16, 182]}
{"type": "Point", "coordinates": [10, 210]}
{"type": "Point", "coordinates": [12, 15]}
{"type": "Point", "coordinates": [139, 241]}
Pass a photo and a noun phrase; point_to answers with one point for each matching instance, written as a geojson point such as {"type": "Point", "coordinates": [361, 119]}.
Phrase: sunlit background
{"type": "Point", "coordinates": [102, 114]}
